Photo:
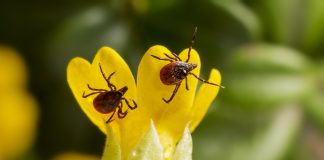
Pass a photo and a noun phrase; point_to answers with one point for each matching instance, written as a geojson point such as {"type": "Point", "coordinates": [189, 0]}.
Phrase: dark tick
{"type": "Point", "coordinates": [178, 70]}
{"type": "Point", "coordinates": [110, 101]}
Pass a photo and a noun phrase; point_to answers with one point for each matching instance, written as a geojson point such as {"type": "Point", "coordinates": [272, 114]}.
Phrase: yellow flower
{"type": "Point", "coordinates": [75, 156]}
{"type": "Point", "coordinates": [170, 119]}
{"type": "Point", "coordinates": [12, 69]}
{"type": "Point", "coordinates": [18, 109]}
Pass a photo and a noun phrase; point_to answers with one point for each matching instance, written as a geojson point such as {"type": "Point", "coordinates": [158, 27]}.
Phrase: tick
{"type": "Point", "coordinates": [177, 70]}
{"type": "Point", "coordinates": [110, 101]}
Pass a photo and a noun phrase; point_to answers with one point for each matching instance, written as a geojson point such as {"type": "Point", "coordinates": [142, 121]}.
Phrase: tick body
{"type": "Point", "coordinates": [110, 101]}
{"type": "Point", "coordinates": [177, 70]}
{"type": "Point", "coordinates": [174, 72]}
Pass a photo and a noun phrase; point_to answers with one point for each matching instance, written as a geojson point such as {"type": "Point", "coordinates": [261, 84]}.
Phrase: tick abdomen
{"type": "Point", "coordinates": [167, 74]}
{"type": "Point", "coordinates": [175, 72]}
{"type": "Point", "coordinates": [107, 102]}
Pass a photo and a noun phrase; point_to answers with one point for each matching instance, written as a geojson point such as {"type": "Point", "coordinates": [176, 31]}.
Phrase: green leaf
{"type": "Point", "coordinates": [83, 33]}
{"type": "Point", "coordinates": [269, 58]}
{"type": "Point", "coordinates": [314, 30]}
{"type": "Point", "coordinates": [279, 19]}
{"type": "Point", "coordinates": [265, 75]}
{"type": "Point", "coordinates": [273, 143]}
{"type": "Point", "coordinates": [315, 108]}
{"type": "Point", "coordinates": [267, 90]}
{"type": "Point", "coordinates": [238, 134]}
{"type": "Point", "coordinates": [183, 150]}
{"type": "Point", "coordinates": [243, 14]}
{"type": "Point", "coordinates": [112, 148]}
{"type": "Point", "coordinates": [149, 146]}
{"type": "Point", "coordinates": [315, 101]}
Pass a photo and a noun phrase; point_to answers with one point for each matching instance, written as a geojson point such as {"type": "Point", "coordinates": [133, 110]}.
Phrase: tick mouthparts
{"type": "Point", "coordinates": [193, 65]}
{"type": "Point", "coordinates": [124, 89]}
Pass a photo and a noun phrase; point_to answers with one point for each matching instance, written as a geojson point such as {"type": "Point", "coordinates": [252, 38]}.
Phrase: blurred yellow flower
{"type": "Point", "coordinates": [170, 119]}
{"type": "Point", "coordinates": [12, 69]}
{"type": "Point", "coordinates": [18, 109]}
{"type": "Point", "coordinates": [75, 156]}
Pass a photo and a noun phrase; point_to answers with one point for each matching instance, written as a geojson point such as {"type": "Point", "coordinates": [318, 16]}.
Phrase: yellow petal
{"type": "Point", "coordinates": [13, 70]}
{"type": "Point", "coordinates": [18, 122]}
{"type": "Point", "coordinates": [132, 129]}
{"type": "Point", "coordinates": [170, 118]}
{"type": "Point", "coordinates": [204, 98]}
{"type": "Point", "coordinates": [80, 73]}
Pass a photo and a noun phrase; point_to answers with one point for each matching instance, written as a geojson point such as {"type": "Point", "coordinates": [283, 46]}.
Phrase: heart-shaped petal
{"type": "Point", "coordinates": [168, 117]}
{"type": "Point", "coordinates": [81, 73]}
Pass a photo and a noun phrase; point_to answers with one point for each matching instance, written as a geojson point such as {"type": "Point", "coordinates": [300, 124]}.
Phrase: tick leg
{"type": "Point", "coordinates": [163, 59]}
{"type": "Point", "coordinates": [110, 118]}
{"type": "Point", "coordinates": [176, 56]}
{"type": "Point", "coordinates": [110, 85]}
{"type": "Point", "coordinates": [187, 86]}
{"type": "Point", "coordinates": [173, 94]}
{"type": "Point", "coordinates": [94, 89]}
{"type": "Point", "coordinates": [121, 114]}
{"type": "Point", "coordinates": [173, 58]}
{"type": "Point", "coordinates": [129, 106]}
{"type": "Point", "coordinates": [204, 81]}
{"type": "Point", "coordinates": [85, 96]}
{"type": "Point", "coordinates": [191, 43]}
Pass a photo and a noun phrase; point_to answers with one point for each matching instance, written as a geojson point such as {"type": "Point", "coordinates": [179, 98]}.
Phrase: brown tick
{"type": "Point", "coordinates": [110, 101]}
{"type": "Point", "coordinates": [177, 70]}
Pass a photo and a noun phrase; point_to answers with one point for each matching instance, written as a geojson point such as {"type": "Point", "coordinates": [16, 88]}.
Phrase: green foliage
{"type": "Point", "coordinates": [243, 14]}
{"type": "Point", "coordinates": [269, 53]}
{"type": "Point", "coordinates": [314, 28]}
{"type": "Point", "coordinates": [183, 150]}
{"type": "Point", "coordinates": [149, 147]}
{"type": "Point", "coordinates": [112, 148]}
{"type": "Point", "coordinates": [265, 75]}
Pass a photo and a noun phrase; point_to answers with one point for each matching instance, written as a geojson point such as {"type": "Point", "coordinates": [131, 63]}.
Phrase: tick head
{"type": "Point", "coordinates": [192, 66]}
{"type": "Point", "coordinates": [123, 90]}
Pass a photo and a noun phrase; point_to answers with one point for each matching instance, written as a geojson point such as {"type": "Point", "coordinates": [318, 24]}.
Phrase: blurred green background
{"type": "Point", "coordinates": [270, 54]}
